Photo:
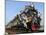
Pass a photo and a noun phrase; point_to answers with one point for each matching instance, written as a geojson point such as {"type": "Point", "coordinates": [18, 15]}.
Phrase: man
{"type": "Point", "coordinates": [38, 18]}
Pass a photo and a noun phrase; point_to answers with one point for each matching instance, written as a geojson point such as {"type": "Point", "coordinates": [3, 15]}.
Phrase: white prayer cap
{"type": "Point", "coordinates": [32, 4]}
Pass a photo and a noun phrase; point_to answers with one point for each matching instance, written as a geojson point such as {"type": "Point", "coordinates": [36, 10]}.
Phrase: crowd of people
{"type": "Point", "coordinates": [34, 17]}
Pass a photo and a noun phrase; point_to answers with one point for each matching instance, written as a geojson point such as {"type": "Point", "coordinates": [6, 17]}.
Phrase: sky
{"type": "Point", "coordinates": [14, 7]}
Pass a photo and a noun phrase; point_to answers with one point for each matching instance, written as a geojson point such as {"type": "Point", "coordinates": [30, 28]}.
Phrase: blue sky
{"type": "Point", "coordinates": [13, 8]}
